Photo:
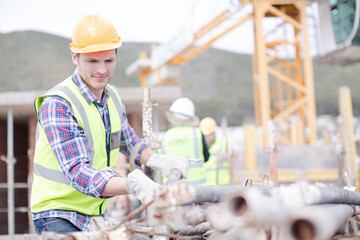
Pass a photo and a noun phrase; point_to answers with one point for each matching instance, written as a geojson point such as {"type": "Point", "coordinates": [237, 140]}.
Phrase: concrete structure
{"type": "Point", "coordinates": [20, 106]}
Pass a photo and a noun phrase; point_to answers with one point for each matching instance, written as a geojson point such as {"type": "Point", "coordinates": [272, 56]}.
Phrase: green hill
{"type": "Point", "coordinates": [219, 82]}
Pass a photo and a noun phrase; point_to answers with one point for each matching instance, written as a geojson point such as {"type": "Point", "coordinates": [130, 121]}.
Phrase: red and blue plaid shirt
{"type": "Point", "coordinates": [68, 143]}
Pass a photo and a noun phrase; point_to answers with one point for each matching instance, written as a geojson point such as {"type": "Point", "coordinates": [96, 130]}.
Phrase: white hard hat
{"type": "Point", "coordinates": [182, 112]}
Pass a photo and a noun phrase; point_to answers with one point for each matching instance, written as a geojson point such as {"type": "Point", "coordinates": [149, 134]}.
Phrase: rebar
{"type": "Point", "coordinates": [196, 230]}
{"type": "Point", "coordinates": [298, 212]}
{"type": "Point", "coordinates": [303, 194]}
{"type": "Point", "coordinates": [215, 193]}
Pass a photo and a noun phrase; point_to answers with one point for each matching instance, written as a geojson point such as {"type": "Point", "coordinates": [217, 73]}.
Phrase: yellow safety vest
{"type": "Point", "coordinates": [186, 141]}
{"type": "Point", "coordinates": [50, 188]}
{"type": "Point", "coordinates": [217, 156]}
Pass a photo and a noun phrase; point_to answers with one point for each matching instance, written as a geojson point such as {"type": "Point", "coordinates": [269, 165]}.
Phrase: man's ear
{"type": "Point", "coordinates": [74, 57]}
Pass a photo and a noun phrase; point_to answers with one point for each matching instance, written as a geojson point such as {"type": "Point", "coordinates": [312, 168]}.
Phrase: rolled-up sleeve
{"type": "Point", "coordinates": [68, 142]}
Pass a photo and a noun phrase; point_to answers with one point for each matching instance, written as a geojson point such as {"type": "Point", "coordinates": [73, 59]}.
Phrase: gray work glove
{"type": "Point", "coordinates": [167, 163]}
{"type": "Point", "coordinates": [140, 186]}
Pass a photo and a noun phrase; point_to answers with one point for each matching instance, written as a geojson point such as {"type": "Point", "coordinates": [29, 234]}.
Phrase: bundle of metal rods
{"type": "Point", "coordinates": [181, 211]}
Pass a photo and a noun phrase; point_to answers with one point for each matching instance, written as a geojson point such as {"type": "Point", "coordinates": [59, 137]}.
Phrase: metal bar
{"type": "Point", "coordinates": [286, 17]}
{"type": "Point", "coordinates": [211, 25]}
{"type": "Point", "coordinates": [261, 76]}
{"type": "Point", "coordinates": [347, 134]}
{"type": "Point", "coordinates": [273, 153]}
{"type": "Point", "coordinates": [196, 230]}
{"type": "Point", "coordinates": [197, 50]}
{"type": "Point", "coordinates": [16, 185]}
{"type": "Point", "coordinates": [10, 172]}
{"type": "Point", "coordinates": [216, 193]}
{"type": "Point", "coordinates": [250, 148]}
{"type": "Point", "coordinates": [308, 73]}
{"type": "Point", "coordinates": [286, 79]}
{"type": "Point", "coordinates": [296, 105]}
{"type": "Point", "coordinates": [18, 209]}
{"type": "Point", "coordinates": [147, 123]}
{"type": "Point", "coordinates": [311, 195]}
{"type": "Point", "coordinates": [282, 47]}
{"type": "Point", "coordinates": [184, 193]}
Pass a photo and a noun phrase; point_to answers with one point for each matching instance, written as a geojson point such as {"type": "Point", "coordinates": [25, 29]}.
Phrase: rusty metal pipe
{"type": "Point", "coordinates": [257, 208]}
{"type": "Point", "coordinates": [196, 230]}
{"type": "Point", "coordinates": [319, 222]}
{"type": "Point", "coordinates": [309, 193]}
{"type": "Point", "coordinates": [216, 193]}
{"type": "Point", "coordinates": [248, 208]}
{"type": "Point", "coordinates": [303, 194]}
{"type": "Point", "coordinates": [338, 195]}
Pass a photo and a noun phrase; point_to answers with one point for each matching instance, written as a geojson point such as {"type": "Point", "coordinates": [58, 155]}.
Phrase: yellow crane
{"type": "Point", "coordinates": [283, 87]}
{"type": "Point", "coordinates": [283, 83]}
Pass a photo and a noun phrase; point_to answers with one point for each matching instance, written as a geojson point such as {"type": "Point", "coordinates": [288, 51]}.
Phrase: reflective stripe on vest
{"type": "Point", "coordinates": [52, 189]}
{"type": "Point", "coordinates": [217, 149]}
{"type": "Point", "coordinates": [50, 174]}
{"type": "Point", "coordinates": [58, 176]}
{"type": "Point", "coordinates": [186, 141]}
{"type": "Point", "coordinates": [196, 144]}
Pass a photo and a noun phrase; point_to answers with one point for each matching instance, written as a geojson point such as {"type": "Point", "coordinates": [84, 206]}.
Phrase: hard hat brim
{"type": "Point", "coordinates": [95, 48]}
{"type": "Point", "coordinates": [171, 117]}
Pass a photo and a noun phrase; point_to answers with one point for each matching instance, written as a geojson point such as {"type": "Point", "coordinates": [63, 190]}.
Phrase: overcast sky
{"type": "Point", "coordinates": [135, 20]}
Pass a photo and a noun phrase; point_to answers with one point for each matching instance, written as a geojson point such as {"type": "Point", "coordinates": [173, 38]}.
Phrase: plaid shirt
{"type": "Point", "coordinates": [68, 143]}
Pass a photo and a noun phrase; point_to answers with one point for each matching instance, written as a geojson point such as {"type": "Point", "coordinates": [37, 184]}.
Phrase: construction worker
{"type": "Point", "coordinates": [82, 127]}
{"type": "Point", "coordinates": [217, 170]}
{"type": "Point", "coordinates": [185, 139]}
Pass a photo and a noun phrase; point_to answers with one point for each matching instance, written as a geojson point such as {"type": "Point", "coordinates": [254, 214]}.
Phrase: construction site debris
{"type": "Point", "coordinates": [298, 211]}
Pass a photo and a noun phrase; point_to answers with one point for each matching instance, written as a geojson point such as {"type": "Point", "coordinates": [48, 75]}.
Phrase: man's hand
{"type": "Point", "coordinates": [167, 163]}
{"type": "Point", "coordinates": [140, 186]}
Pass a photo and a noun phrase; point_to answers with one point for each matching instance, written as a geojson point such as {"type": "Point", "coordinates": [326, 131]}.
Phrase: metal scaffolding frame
{"type": "Point", "coordinates": [283, 85]}
{"type": "Point", "coordinates": [10, 162]}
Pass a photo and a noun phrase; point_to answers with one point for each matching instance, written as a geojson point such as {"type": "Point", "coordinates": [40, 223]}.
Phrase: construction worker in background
{"type": "Point", "coordinates": [184, 138]}
{"type": "Point", "coordinates": [82, 127]}
{"type": "Point", "coordinates": [217, 170]}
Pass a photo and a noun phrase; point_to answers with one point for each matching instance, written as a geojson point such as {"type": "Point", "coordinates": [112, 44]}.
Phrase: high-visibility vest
{"type": "Point", "coordinates": [50, 188]}
{"type": "Point", "coordinates": [217, 162]}
{"type": "Point", "coordinates": [186, 141]}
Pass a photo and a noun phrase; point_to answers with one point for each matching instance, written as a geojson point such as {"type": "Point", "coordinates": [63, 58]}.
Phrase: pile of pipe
{"type": "Point", "coordinates": [297, 211]}
{"type": "Point", "coordinates": [181, 211]}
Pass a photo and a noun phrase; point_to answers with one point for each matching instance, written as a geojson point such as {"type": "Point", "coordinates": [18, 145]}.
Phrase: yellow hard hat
{"type": "Point", "coordinates": [207, 126]}
{"type": "Point", "coordinates": [94, 33]}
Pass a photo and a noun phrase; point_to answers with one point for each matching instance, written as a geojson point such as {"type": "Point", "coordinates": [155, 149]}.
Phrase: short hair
{"type": "Point", "coordinates": [78, 54]}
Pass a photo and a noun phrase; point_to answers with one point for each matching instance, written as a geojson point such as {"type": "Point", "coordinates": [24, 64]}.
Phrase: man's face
{"type": "Point", "coordinates": [209, 139]}
{"type": "Point", "coordinates": [96, 69]}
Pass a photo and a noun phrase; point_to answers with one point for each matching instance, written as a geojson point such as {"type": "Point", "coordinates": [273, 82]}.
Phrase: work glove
{"type": "Point", "coordinates": [140, 186]}
{"type": "Point", "coordinates": [167, 163]}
